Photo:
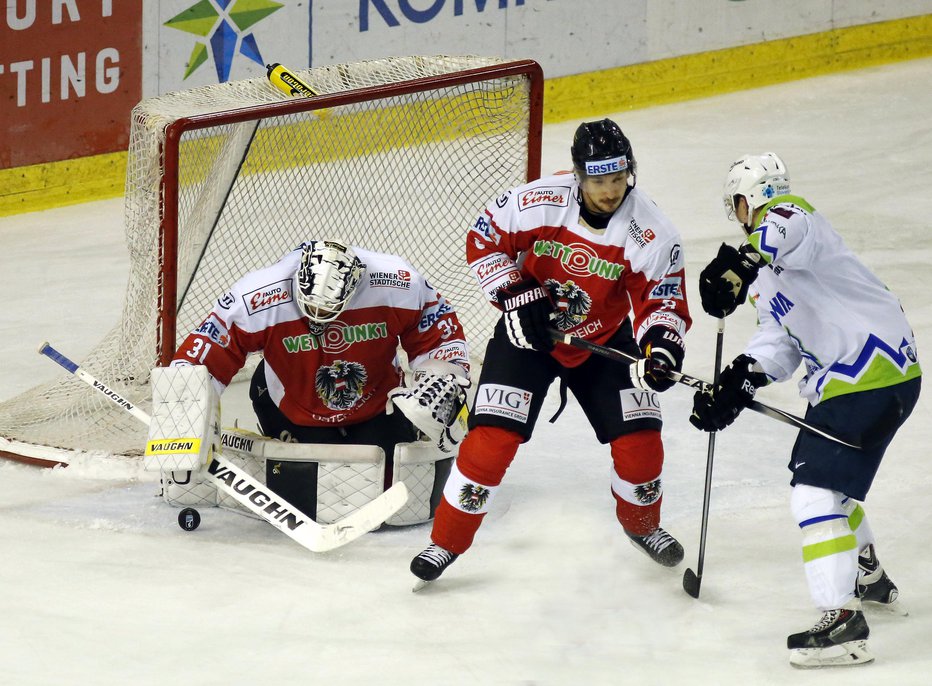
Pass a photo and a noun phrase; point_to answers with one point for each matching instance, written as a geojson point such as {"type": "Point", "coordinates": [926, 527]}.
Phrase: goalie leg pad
{"type": "Point", "coordinates": [325, 481]}
{"type": "Point", "coordinates": [185, 424]}
{"type": "Point", "coordinates": [188, 489]}
{"type": "Point", "coordinates": [423, 468]}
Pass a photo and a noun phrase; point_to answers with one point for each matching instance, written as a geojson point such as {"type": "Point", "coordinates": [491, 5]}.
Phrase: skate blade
{"type": "Point", "coordinates": [894, 608]}
{"type": "Point", "coordinates": [842, 655]}
{"type": "Point", "coordinates": [420, 585]}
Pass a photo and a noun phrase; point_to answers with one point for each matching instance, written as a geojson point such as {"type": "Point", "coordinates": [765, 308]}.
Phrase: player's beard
{"type": "Point", "coordinates": [604, 205]}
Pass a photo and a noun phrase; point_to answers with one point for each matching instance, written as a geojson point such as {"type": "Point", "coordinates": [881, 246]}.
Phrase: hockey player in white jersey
{"type": "Point", "coordinates": [817, 305]}
{"type": "Point", "coordinates": [578, 254]}
{"type": "Point", "coordinates": [328, 319]}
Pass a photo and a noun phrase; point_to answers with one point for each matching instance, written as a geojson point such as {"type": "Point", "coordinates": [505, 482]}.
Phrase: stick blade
{"type": "Point", "coordinates": [370, 516]}
{"type": "Point", "coordinates": [691, 583]}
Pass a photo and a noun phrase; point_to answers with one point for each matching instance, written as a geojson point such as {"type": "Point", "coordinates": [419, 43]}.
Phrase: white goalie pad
{"type": "Point", "coordinates": [185, 424]}
{"type": "Point", "coordinates": [347, 476]}
{"type": "Point", "coordinates": [423, 468]}
{"type": "Point", "coordinates": [188, 489]}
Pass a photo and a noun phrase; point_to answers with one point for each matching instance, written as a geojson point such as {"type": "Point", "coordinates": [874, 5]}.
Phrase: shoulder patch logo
{"type": "Point", "coordinates": [266, 297]}
{"type": "Point", "coordinates": [557, 196]}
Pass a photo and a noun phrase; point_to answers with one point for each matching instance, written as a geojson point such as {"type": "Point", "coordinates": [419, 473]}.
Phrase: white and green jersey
{"type": "Point", "coordinates": [819, 305]}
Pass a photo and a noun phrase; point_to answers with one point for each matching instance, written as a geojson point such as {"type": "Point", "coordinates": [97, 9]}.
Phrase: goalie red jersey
{"type": "Point", "coordinates": [340, 372]}
{"type": "Point", "coordinates": [595, 277]}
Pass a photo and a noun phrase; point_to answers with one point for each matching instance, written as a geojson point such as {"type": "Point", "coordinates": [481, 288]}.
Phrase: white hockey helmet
{"type": "Point", "coordinates": [759, 178]}
{"type": "Point", "coordinates": [326, 279]}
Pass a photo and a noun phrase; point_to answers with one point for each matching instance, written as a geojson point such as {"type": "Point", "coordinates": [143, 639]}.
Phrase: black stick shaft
{"type": "Point", "coordinates": [706, 498]}
{"type": "Point", "coordinates": [700, 385]}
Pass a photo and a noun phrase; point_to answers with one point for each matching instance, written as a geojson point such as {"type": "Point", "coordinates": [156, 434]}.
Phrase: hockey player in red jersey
{"type": "Point", "coordinates": [328, 319]}
{"type": "Point", "coordinates": [590, 255]}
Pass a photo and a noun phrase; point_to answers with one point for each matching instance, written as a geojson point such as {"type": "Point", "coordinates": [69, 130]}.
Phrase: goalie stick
{"type": "Point", "coordinates": [700, 385]}
{"type": "Point", "coordinates": [257, 498]}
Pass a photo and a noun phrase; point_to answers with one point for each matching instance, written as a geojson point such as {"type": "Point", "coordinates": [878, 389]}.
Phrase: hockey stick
{"type": "Point", "coordinates": [286, 81]}
{"type": "Point", "coordinates": [700, 385]}
{"type": "Point", "coordinates": [693, 580]}
{"type": "Point", "coordinates": [257, 498]}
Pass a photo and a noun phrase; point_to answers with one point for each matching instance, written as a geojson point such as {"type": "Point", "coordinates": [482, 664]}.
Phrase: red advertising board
{"type": "Point", "coordinates": [70, 72]}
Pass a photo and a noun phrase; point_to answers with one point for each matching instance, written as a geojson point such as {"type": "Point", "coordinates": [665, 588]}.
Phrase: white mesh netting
{"type": "Point", "coordinates": [406, 174]}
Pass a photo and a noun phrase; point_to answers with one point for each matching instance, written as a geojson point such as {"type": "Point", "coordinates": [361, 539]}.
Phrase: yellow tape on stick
{"type": "Point", "coordinates": [288, 83]}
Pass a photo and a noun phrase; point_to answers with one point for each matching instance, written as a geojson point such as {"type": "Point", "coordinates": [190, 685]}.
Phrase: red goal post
{"type": "Point", "coordinates": [397, 155]}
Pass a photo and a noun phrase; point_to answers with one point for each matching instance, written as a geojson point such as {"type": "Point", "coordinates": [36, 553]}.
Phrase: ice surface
{"type": "Point", "coordinates": [101, 586]}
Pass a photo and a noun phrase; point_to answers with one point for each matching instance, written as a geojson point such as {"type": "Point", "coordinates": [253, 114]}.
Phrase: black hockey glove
{"type": "Point", "coordinates": [663, 351]}
{"type": "Point", "coordinates": [723, 284]}
{"type": "Point", "coordinates": [527, 307]}
{"type": "Point", "coordinates": [713, 411]}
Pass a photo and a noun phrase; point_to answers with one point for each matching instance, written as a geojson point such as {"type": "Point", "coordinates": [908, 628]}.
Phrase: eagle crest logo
{"type": "Point", "coordinates": [473, 497]}
{"type": "Point", "coordinates": [648, 493]}
{"type": "Point", "coordinates": [340, 385]}
{"type": "Point", "coordinates": [572, 303]}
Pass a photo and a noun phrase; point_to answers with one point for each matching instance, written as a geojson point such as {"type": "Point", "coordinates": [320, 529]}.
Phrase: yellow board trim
{"type": "Point", "coordinates": [734, 69]}
{"type": "Point", "coordinates": [54, 184]}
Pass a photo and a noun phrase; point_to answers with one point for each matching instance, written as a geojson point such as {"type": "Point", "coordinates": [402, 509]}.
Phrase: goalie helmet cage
{"type": "Point", "coordinates": [399, 156]}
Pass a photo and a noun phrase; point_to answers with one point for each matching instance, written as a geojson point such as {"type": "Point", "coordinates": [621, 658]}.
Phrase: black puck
{"type": "Point", "coordinates": [189, 519]}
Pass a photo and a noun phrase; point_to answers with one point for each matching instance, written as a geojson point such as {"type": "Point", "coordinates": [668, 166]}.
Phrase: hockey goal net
{"type": "Point", "coordinates": [397, 155]}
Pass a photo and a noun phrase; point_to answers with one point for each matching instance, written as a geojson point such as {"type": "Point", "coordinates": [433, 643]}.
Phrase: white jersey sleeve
{"type": "Point", "coordinates": [819, 305]}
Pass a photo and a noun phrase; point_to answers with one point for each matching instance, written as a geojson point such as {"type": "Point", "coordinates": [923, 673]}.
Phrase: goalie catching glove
{"type": "Point", "coordinates": [714, 410]}
{"type": "Point", "coordinates": [663, 351]}
{"type": "Point", "coordinates": [528, 308]}
{"type": "Point", "coordinates": [723, 284]}
{"type": "Point", "coordinates": [436, 403]}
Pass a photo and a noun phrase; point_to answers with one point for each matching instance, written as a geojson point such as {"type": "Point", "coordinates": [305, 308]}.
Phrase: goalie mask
{"type": "Point", "coordinates": [326, 279]}
{"type": "Point", "coordinates": [599, 147]}
{"type": "Point", "coordinates": [759, 178]}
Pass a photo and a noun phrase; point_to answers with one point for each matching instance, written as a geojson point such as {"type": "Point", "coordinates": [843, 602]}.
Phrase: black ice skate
{"type": "Point", "coordinates": [874, 586]}
{"type": "Point", "coordinates": [430, 563]}
{"type": "Point", "coordinates": [660, 546]}
{"type": "Point", "coordinates": [838, 639]}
